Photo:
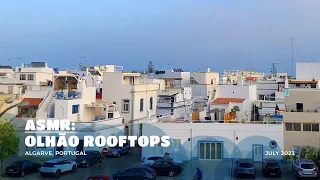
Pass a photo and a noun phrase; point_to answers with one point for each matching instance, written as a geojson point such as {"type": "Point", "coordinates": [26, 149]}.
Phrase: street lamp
{"type": "Point", "coordinates": [21, 104]}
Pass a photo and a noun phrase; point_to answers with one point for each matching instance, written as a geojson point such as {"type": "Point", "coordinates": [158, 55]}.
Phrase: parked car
{"type": "Point", "coordinates": [245, 168]}
{"type": "Point", "coordinates": [117, 151]}
{"type": "Point", "coordinates": [304, 168]}
{"type": "Point", "coordinates": [271, 167]}
{"type": "Point", "coordinates": [135, 173]}
{"type": "Point", "coordinates": [57, 166]}
{"type": "Point", "coordinates": [89, 159]}
{"type": "Point", "coordinates": [22, 168]}
{"type": "Point", "coordinates": [166, 167]}
{"type": "Point", "coordinates": [150, 160]}
{"type": "Point", "coordinates": [98, 177]}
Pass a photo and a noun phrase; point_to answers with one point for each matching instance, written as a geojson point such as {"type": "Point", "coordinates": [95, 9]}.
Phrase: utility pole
{"type": "Point", "coordinates": [292, 56]}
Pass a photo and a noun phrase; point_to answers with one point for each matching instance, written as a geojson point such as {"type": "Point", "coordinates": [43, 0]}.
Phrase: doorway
{"type": "Point", "coordinates": [300, 107]}
{"type": "Point", "coordinates": [257, 153]}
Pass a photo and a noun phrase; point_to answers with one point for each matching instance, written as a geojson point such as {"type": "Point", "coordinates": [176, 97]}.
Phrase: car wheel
{"type": "Point", "coordinates": [116, 178]}
{"type": "Point", "coordinates": [73, 169]}
{"type": "Point", "coordinates": [119, 154]}
{"type": "Point", "coordinates": [43, 175]}
{"type": "Point", "coordinates": [171, 174]}
{"type": "Point", "coordinates": [58, 173]}
{"type": "Point", "coordinates": [23, 174]}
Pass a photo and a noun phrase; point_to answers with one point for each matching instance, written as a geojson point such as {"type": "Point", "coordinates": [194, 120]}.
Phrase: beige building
{"type": "Point", "coordinates": [302, 118]}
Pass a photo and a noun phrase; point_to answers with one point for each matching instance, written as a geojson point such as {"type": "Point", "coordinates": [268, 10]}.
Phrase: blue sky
{"type": "Point", "coordinates": [220, 34]}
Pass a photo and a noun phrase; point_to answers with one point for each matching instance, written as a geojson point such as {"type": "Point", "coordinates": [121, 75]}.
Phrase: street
{"type": "Point", "coordinates": [212, 170]}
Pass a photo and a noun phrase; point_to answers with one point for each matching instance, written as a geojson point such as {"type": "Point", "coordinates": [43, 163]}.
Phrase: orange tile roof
{"type": "Point", "coordinates": [227, 100]}
{"type": "Point", "coordinates": [33, 101]}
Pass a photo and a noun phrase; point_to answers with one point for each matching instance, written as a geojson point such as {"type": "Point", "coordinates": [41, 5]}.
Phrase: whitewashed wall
{"type": "Point", "coordinates": [248, 134]}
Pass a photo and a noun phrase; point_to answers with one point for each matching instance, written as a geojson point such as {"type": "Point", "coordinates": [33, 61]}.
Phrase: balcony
{"type": "Point", "coordinates": [168, 104]}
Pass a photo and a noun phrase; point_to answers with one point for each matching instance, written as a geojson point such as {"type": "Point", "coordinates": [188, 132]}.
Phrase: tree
{"type": "Point", "coordinates": [150, 68]}
{"type": "Point", "coordinates": [235, 109]}
{"type": "Point", "coordinates": [9, 142]}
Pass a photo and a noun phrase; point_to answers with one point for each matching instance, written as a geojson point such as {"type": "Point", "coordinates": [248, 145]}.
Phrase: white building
{"type": "Point", "coordinates": [136, 98]}
{"type": "Point", "coordinates": [175, 101]}
{"type": "Point", "coordinates": [225, 97]}
{"type": "Point", "coordinates": [307, 70]}
{"type": "Point", "coordinates": [216, 141]}
{"type": "Point", "coordinates": [235, 76]}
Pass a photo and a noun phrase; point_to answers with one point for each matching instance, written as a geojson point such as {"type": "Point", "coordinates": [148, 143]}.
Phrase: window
{"type": "Point", "coordinates": [110, 115]}
{"type": "Point", "coordinates": [209, 150]}
{"type": "Point", "coordinates": [151, 103]}
{"type": "Point", "coordinates": [22, 77]}
{"type": "Point", "coordinates": [75, 109]}
{"type": "Point", "coordinates": [141, 105]}
{"type": "Point", "coordinates": [30, 77]}
{"type": "Point", "coordinates": [311, 127]}
{"type": "Point", "coordinates": [300, 107]}
{"type": "Point", "coordinates": [293, 126]}
{"type": "Point", "coordinates": [157, 164]}
{"type": "Point", "coordinates": [165, 165]}
{"type": "Point", "coordinates": [125, 106]}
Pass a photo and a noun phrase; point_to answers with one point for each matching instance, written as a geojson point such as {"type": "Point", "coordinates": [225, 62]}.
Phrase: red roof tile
{"type": "Point", "coordinates": [227, 100]}
{"type": "Point", "coordinates": [34, 102]}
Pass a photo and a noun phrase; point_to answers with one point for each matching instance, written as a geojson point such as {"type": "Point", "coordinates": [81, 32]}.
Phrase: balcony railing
{"type": "Point", "coordinates": [68, 96]}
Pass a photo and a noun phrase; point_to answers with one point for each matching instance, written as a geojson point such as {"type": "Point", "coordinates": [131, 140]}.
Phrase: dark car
{"type": "Point", "coordinates": [98, 177]}
{"type": "Point", "coordinates": [271, 167]}
{"type": "Point", "coordinates": [117, 151]}
{"type": "Point", "coordinates": [166, 167]}
{"type": "Point", "coordinates": [89, 159]}
{"type": "Point", "coordinates": [135, 173]}
{"type": "Point", "coordinates": [245, 168]}
{"type": "Point", "coordinates": [22, 168]}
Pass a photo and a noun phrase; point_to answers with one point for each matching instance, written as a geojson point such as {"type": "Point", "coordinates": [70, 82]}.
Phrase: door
{"type": "Point", "coordinates": [165, 167]}
{"type": "Point", "coordinates": [257, 153]}
{"type": "Point", "coordinates": [157, 167]}
{"type": "Point", "coordinates": [210, 150]}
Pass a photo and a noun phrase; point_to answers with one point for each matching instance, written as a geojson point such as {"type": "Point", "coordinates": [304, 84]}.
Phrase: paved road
{"type": "Point", "coordinates": [111, 165]}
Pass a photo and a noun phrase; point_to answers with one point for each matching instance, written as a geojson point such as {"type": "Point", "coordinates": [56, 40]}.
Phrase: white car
{"type": "Point", "coordinates": [149, 160]}
{"type": "Point", "coordinates": [57, 166]}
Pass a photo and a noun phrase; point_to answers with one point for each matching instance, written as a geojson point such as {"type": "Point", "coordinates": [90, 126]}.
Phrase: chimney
{"type": "Point", "coordinates": [242, 81]}
{"type": "Point", "coordinates": [286, 83]}
{"type": "Point", "coordinates": [208, 69]}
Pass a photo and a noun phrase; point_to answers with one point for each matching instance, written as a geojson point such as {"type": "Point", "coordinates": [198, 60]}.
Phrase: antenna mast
{"type": "Point", "coordinates": [274, 69]}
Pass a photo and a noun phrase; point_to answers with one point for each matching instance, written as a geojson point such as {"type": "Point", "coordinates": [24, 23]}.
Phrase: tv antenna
{"type": "Point", "coordinates": [274, 69]}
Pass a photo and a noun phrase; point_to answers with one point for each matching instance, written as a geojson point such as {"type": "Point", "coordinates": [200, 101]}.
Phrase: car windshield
{"type": "Point", "coordinates": [17, 164]}
{"type": "Point", "coordinates": [47, 164]}
{"type": "Point", "coordinates": [246, 165]}
{"type": "Point", "coordinates": [307, 166]}
{"type": "Point", "coordinates": [272, 165]}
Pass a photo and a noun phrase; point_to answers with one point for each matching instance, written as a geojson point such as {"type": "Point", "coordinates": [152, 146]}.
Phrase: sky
{"type": "Point", "coordinates": [193, 35]}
